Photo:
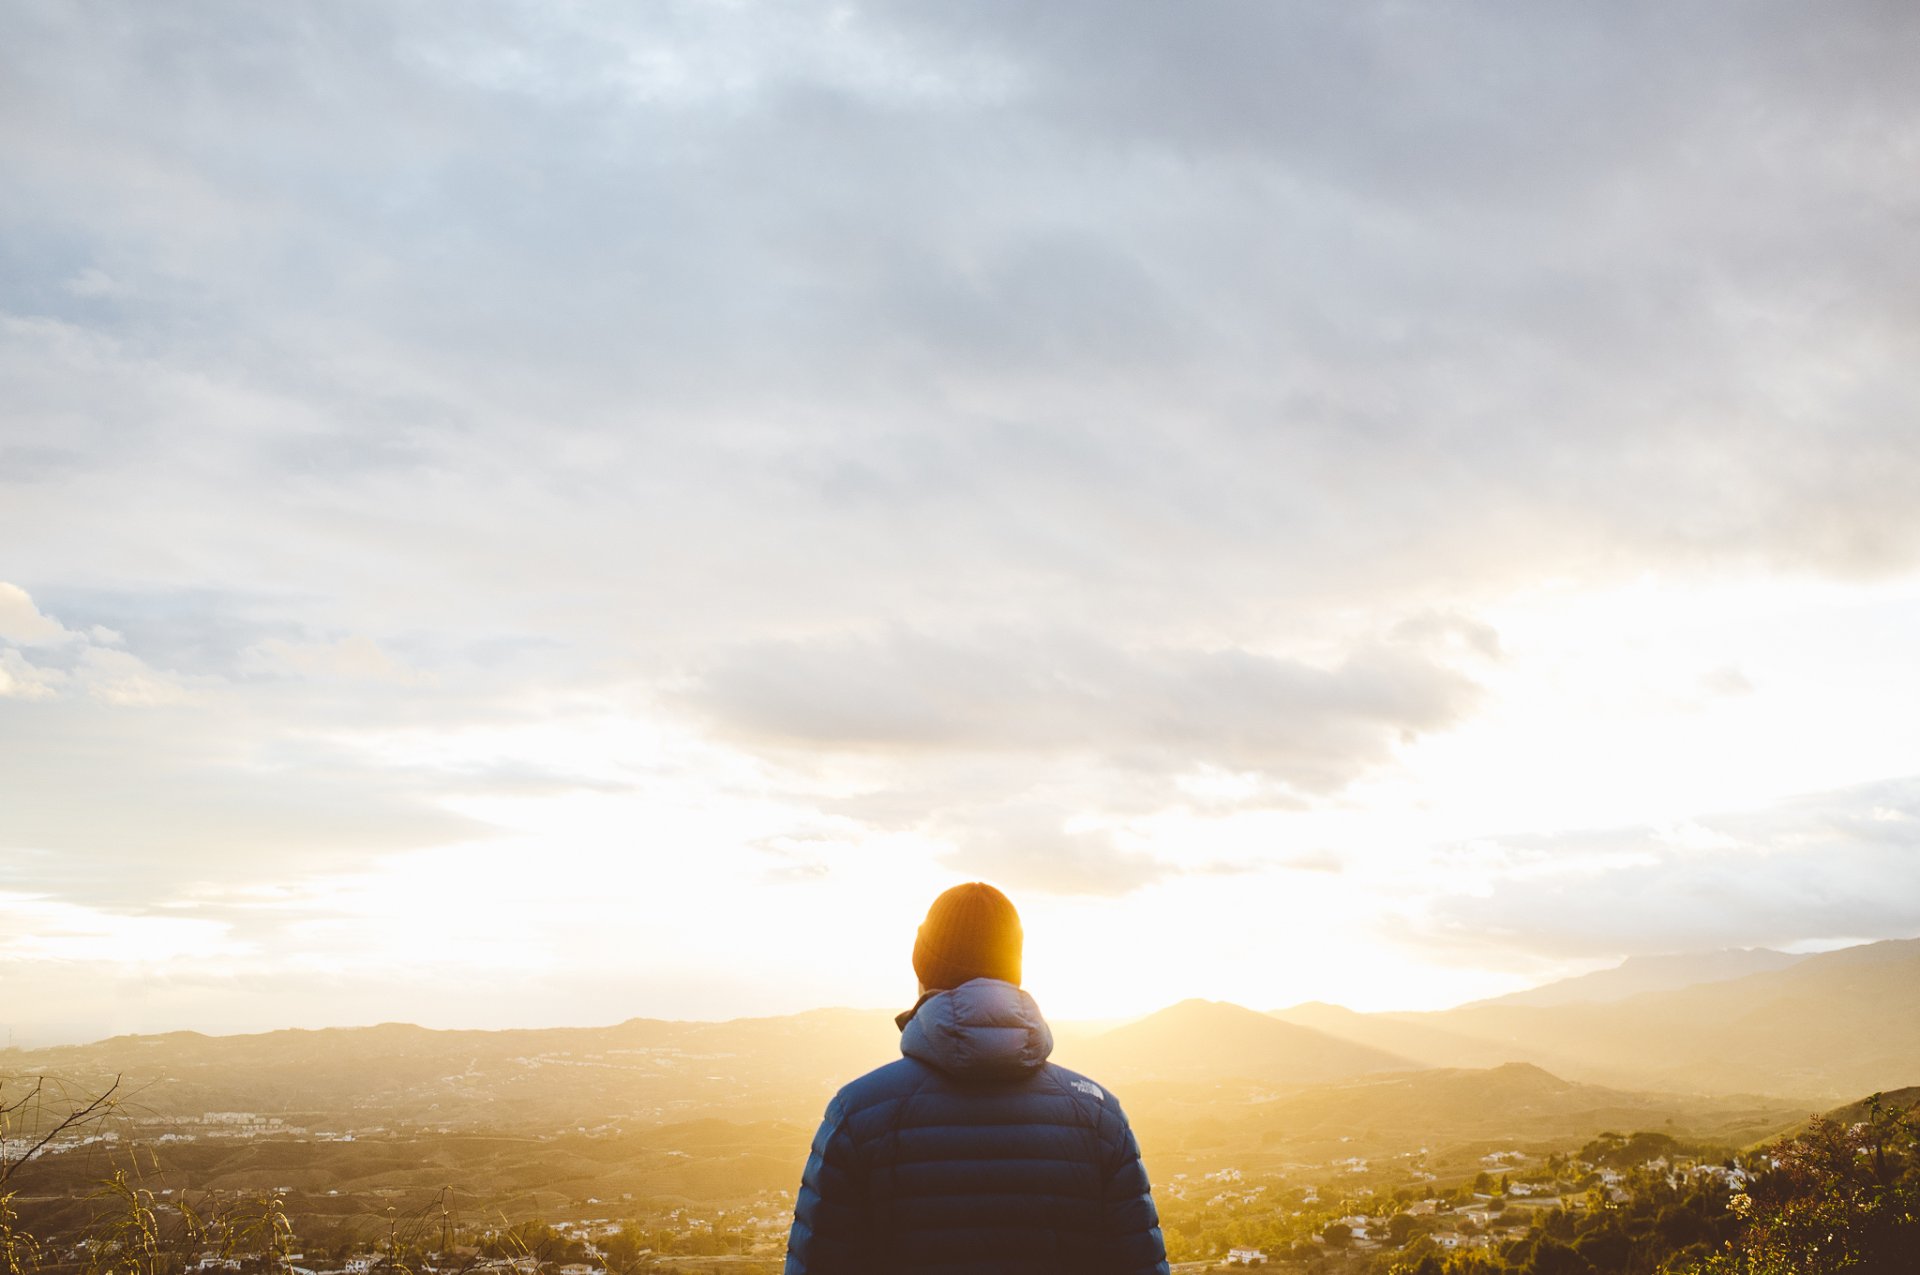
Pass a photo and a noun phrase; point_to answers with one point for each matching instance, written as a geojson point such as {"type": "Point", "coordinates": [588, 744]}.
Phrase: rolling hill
{"type": "Point", "coordinates": [1515, 1102]}
{"type": "Point", "coordinates": [644, 1071]}
{"type": "Point", "coordinates": [1430, 1046]}
{"type": "Point", "coordinates": [1638, 974]}
{"type": "Point", "coordinates": [1212, 1041]}
{"type": "Point", "coordinates": [1448, 1117]}
{"type": "Point", "coordinates": [1824, 1028]}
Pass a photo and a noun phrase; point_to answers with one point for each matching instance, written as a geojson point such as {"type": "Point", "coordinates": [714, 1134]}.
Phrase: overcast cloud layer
{"type": "Point", "coordinates": [1166, 454]}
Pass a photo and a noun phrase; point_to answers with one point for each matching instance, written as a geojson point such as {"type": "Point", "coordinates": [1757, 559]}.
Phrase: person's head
{"type": "Point", "coordinates": [971, 931]}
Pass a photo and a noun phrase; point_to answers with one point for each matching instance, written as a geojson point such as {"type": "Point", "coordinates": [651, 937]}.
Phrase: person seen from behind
{"type": "Point", "coordinates": [972, 1154]}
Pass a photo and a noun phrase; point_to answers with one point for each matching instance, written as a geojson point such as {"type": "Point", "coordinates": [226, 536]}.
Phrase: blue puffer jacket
{"type": "Point", "coordinates": [973, 1155]}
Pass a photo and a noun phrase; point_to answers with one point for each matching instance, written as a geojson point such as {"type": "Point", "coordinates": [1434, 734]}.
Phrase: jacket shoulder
{"type": "Point", "coordinates": [896, 1079]}
{"type": "Point", "coordinates": [865, 1103]}
{"type": "Point", "coordinates": [1097, 1103]}
{"type": "Point", "coordinates": [1099, 1110]}
{"type": "Point", "coordinates": [1085, 1086]}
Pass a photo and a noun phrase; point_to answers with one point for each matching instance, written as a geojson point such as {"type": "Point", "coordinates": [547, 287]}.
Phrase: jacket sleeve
{"type": "Point", "coordinates": [829, 1215]}
{"type": "Point", "coordinates": [1130, 1241]}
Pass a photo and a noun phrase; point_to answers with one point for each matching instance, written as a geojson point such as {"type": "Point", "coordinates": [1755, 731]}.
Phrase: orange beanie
{"type": "Point", "coordinates": [971, 931]}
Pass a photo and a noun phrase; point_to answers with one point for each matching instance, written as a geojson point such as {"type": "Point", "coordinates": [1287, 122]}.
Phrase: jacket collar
{"type": "Point", "coordinates": [983, 1029]}
{"type": "Point", "coordinates": [901, 1019]}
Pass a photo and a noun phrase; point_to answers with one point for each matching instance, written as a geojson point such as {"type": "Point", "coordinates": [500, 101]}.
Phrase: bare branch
{"type": "Point", "coordinates": [97, 1107]}
{"type": "Point", "coordinates": [8, 1108]}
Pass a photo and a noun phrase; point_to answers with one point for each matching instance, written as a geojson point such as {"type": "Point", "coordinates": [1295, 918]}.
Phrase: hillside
{"type": "Point", "coordinates": [641, 1071]}
{"type": "Point", "coordinates": [1892, 1100]}
{"type": "Point", "coordinates": [1429, 1045]}
{"type": "Point", "coordinates": [653, 1114]}
{"type": "Point", "coordinates": [1211, 1041]}
{"type": "Point", "coordinates": [1447, 1117]}
{"type": "Point", "coordinates": [1640, 974]}
{"type": "Point", "coordinates": [1819, 1028]}
{"type": "Point", "coordinates": [1515, 1102]}
{"type": "Point", "coordinates": [1827, 1027]}
{"type": "Point", "coordinates": [343, 1194]}
{"type": "Point", "coordinates": [1823, 1029]}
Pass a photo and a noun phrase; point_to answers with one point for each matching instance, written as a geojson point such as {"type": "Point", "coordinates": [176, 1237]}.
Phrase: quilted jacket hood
{"type": "Point", "coordinates": [984, 1029]}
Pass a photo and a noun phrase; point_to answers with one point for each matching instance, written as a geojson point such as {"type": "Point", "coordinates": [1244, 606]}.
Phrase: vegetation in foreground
{"type": "Point", "coordinates": [1840, 1194]}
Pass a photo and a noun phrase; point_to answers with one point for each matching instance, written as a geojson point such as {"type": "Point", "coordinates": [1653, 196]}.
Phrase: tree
{"type": "Point", "coordinates": [1550, 1257]}
{"type": "Point", "coordinates": [1839, 1197]}
{"type": "Point", "coordinates": [625, 1254]}
{"type": "Point", "coordinates": [1427, 1263]}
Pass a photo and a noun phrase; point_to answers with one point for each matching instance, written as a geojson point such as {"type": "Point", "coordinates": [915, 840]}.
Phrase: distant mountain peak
{"type": "Point", "coordinates": [1219, 1040]}
{"type": "Point", "coordinates": [1197, 1006]}
{"type": "Point", "coordinates": [1530, 1071]}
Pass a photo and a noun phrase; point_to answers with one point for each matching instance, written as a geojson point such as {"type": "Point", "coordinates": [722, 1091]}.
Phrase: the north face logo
{"type": "Point", "coordinates": [1088, 1087]}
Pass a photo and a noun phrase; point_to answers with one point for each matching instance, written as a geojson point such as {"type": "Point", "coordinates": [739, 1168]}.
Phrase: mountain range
{"type": "Point", "coordinates": [1664, 973]}
{"type": "Point", "coordinates": [1814, 1029]}
{"type": "Point", "coordinates": [1831, 1026]}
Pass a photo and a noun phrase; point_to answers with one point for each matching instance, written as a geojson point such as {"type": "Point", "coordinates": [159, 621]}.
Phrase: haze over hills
{"type": "Point", "coordinates": [1441, 1122]}
{"type": "Point", "coordinates": [707, 1110]}
{"type": "Point", "coordinates": [642, 1070]}
{"type": "Point", "coordinates": [1824, 1028]}
{"type": "Point", "coordinates": [1639, 974]}
{"type": "Point", "coordinates": [659, 1117]}
{"type": "Point", "coordinates": [1827, 1027]}
{"type": "Point", "coordinates": [541, 1122]}
{"type": "Point", "coordinates": [1432, 1045]}
{"type": "Point", "coordinates": [1513, 1103]}
{"type": "Point", "coordinates": [1200, 1040]}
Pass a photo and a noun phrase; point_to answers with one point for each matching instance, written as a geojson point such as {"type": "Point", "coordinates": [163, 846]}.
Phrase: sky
{"type": "Point", "coordinates": [516, 514]}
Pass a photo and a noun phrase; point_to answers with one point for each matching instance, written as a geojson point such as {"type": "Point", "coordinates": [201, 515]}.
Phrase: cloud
{"type": "Point", "coordinates": [1313, 727]}
{"type": "Point", "coordinates": [87, 662]}
{"type": "Point", "coordinates": [22, 622]}
{"type": "Point", "coordinates": [1026, 753]}
{"type": "Point", "coordinates": [1308, 303]}
{"type": "Point", "coordinates": [354, 658]}
{"type": "Point", "coordinates": [1726, 682]}
{"type": "Point", "coordinates": [126, 785]}
{"type": "Point", "coordinates": [1029, 852]}
{"type": "Point", "coordinates": [118, 677]}
{"type": "Point", "coordinates": [40, 929]}
{"type": "Point", "coordinates": [1834, 865]}
{"type": "Point", "coordinates": [1316, 861]}
{"type": "Point", "coordinates": [20, 679]}
{"type": "Point", "coordinates": [92, 282]}
{"type": "Point", "coordinates": [797, 856]}
{"type": "Point", "coordinates": [132, 806]}
{"type": "Point", "coordinates": [1118, 380]}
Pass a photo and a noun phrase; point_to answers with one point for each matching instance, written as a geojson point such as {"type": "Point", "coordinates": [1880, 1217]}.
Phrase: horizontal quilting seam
{"type": "Point", "coordinates": [960, 1228]}
{"type": "Point", "coordinates": [996, 1157]}
{"type": "Point", "coordinates": [971, 1125]}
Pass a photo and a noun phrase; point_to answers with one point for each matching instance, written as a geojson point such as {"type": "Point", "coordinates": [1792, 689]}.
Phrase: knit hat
{"type": "Point", "coordinates": [971, 931]}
